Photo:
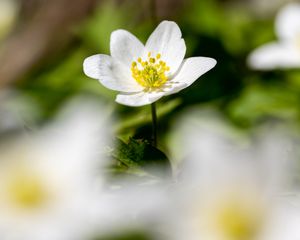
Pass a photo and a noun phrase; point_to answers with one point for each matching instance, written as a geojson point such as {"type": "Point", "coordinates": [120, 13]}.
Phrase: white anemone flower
{"type": "Point", "coordinates": [284, 53]}
{"type": "Point", "coordinates": [231, 189]}
{"type": "Point", "coordinates": [50, 183]}
{"type": "Point", "coordinates": [144, 74]}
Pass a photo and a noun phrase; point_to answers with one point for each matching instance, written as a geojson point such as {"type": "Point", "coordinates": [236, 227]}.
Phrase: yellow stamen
{"type": "Point", "coordinates": [151, 73]}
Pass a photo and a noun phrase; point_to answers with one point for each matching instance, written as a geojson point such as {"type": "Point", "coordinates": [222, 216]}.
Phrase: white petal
{"type": "Point", "coordinates": [166, 40]}
{"type": "Point", "coordinates": [125, 47]}
{"type": "Point", "coordinates": [112, 74]}
{"type": "Point", "coordinates": [274, 55]}
{"type": "Point", "coordinates": [288, 22]}
{"type": "Point", "coordinates": [191, 69]}
{"type": "Point", "coordinates": [174, 88]}
{"type": "Point", "coordinates": [138, 99]}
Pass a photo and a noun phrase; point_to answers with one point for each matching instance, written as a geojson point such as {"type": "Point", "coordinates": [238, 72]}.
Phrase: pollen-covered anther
{"type": "Point", "coordinates": [150, 73]}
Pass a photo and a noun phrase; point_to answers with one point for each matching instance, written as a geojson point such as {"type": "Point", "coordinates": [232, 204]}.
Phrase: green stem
{"type": "Point", "coordinates": [154, 124]}
{"type": "Point", "coordinates": [153, 105]}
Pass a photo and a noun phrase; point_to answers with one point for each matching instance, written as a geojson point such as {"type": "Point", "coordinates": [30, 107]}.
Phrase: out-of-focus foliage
{"type": "Point", "coordinates": [225, 30]}
{"type": "Point", "coordinates": [8, 10]}
{"type": "Point", "coordinates": [129, 236]}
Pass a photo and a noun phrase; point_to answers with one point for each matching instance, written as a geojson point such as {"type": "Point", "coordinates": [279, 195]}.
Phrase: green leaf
{"type": "Point", "coordinates": [258, 102]}
{"type": "Point", "coordinates": [134, 235]}
{"type": "Point", "coordinates": [141, 158]}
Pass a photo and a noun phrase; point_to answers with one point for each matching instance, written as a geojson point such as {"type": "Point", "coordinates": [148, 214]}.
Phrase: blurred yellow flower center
{"type": "Point", "coordinates": [151, 73]}
{"type": "Point", "coordinates": [239, 221]}
{"type": "Point", "coordinates": [298, 41]}
{"type": "Point", "coordinates": [26, 191]}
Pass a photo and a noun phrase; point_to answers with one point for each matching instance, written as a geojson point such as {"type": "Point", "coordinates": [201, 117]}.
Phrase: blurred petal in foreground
{"type": "Point", "coordinates": [232, 187]}
{"type": "Point", "coordinates": [49, 182]}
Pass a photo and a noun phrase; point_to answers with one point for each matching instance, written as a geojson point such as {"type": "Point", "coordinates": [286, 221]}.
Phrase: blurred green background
{"type": "Point", "coordinates": [44, 43]}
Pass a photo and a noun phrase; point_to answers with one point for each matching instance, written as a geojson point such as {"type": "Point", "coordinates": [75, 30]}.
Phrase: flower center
{"type": "Point", "coordinates": [26, 191]}
{"type": "Point", "coordinates": [298, 41]}
{"type": "Point", "coordinates": [151, 73]}
{"type": "Point", "coordinates": [239, 222]}
{"type": "Point", "coordinates": [233, 216]}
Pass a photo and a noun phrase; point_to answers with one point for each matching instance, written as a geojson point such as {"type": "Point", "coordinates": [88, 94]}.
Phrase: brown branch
{"type": "Point", "coordinates": [46, 28]}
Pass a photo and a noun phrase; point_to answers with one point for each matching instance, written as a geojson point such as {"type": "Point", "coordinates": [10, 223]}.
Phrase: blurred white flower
{"type": "Point", "coordinates": [285, 53]}
{"type": "Point", "coordinates": [50, 183]}
{"type": "Point", "coordinates": [266, 8]}
{"type": "Point", "coordinates": [230, 188]}
{"type": "Point", "coordinates": [144, 74]}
